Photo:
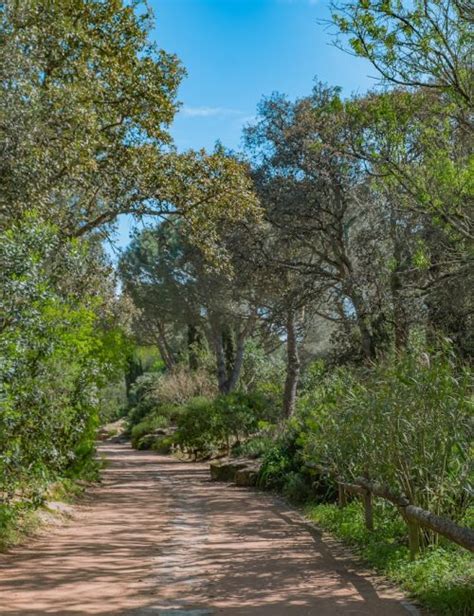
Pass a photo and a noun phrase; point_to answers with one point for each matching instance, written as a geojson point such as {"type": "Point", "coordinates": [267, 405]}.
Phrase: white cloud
{"type": "Point", "coordinates": [208, 112]}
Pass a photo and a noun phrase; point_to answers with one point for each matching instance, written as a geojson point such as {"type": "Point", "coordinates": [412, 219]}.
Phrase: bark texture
{"type": "Point", "coordinates": [292, 365]}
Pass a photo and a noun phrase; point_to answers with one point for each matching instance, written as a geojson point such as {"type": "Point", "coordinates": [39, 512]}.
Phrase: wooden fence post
{"type": "Point", "coordinates": [368, 510]}
{"type": "Point", "coordinates": [342, 500]}
{"type": "Point", "coordinates": [413, 539]}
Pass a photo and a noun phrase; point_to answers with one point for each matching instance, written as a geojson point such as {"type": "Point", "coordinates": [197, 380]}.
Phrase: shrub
{"type": "Point", "coordinates": [180, 385]}
{"type": "Point", "coordinates": [256, 446]}
{"type": "Point", "coordinates": [163, 444]}
{"type": "Point", "coordinates": [405, 422]}
{"type": "Point", "coordinates": [57, 350]}
{"type": "Point", "coordinates": [282, 466]}
{"type": "Point", "coordinates": [149, 425]}
{"type": "Point", "coordinates": [207, 425]}
{"type": "Point", "coordinates": [199, 427]}
{"type": "Point", "coordinates": [240, 414]}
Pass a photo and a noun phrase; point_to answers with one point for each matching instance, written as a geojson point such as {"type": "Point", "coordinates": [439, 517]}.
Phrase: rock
{"type": "Point", "coordinates": [247, 477]}
{"type": "Point", "coordinates": [112, 430]}
{"type": "Point", "coordinates": [161, 432]}
{"type": "Point", "coordinates": [225, 470]}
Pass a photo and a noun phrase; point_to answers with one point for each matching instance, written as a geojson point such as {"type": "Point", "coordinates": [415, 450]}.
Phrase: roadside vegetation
{"type": "Point", "coordinates": [441, 578]}
{"type": "Point", "coordinates": [86, 104]}
{"type": "Point", "coordinates": [305, 302]}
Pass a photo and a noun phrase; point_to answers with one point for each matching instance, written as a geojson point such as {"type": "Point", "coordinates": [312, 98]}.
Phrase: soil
{"type": "Point", "coordinates": [158, 538]}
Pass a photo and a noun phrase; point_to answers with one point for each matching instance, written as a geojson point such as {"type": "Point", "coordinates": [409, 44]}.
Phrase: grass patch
{"type": "Point", "coordinates": [16, 522]}
{"type": "Point", "coordinates": [19, 520]}
{"type": "Point", "coordinates": [442, 578]}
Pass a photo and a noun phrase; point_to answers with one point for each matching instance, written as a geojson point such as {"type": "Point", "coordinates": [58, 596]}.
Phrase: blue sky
{"type": "Point", "coordinates": [236, 51]}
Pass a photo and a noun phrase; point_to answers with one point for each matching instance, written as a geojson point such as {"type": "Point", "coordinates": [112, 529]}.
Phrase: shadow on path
{"type": "Point", "coordinates": [157, 538]}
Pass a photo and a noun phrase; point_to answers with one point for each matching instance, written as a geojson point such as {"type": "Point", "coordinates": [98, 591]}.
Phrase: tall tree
{"type": "Point", "coordinates": [422, 43]}
{"type": "Point", "coordinates": [313, 196]}
{"type": "Point", "coordinates": [87, 100]}
{"type": "Point", "coordinates": [175, 285]}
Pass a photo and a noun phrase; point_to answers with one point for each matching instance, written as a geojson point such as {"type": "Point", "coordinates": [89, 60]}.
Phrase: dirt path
{"type": "Point", "coordinates": [157, 538]}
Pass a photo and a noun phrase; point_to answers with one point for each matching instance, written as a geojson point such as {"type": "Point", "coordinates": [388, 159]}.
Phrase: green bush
{"type": "Point", "coordinates": [240, 414]}
{"type": "Point", "coordinates": [406, 423]}
{"type": "Point", "coordinates": [163, 444]}
{"type": "Point", "coordinates": [256, 446]}
{"type": "Point", "coordinates": [149, 425]}
{"type": "Point", "coordinates": [199, 427]}
{"type": "Point", "coordinates": [283, 468]}
{"type": "Point", "coordinates": [207, 425]}
{"type": "Point", "coordinates": [58, 348]}
{"type": "Point", "coordinates": [297, 486]}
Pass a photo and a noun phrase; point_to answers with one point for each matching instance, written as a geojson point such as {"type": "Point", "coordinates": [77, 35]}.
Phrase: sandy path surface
{"type": "Point", "coordinates": [157, 538]}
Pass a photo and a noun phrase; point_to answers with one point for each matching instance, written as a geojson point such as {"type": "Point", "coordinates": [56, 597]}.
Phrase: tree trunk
{"type": "Point", "coordinates": [368, 510]}
{"type": "Point", "coordinates": [399, 316]}
{"type": "Point", "coordinates": [367, 341]}
{"type": "Point", "coordinates": [229, 352]}
{"type": "Point", "coordinates": [193, 343]}
{"type": "Point", "coordinates": [165, 350]}
{"type": "Point", "coordinates": [292, 366]}
{"type": "Point", "coordinates": [238, 361]}
{"type": "Point", "coordinates": [214, 337]}
{"type": "Point", "coordinates": [229, 349]}
{"type": "Point", "coordinates": [220, 364]}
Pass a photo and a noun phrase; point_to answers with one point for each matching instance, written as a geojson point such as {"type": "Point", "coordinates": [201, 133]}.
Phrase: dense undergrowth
{"type": "Point", "coordinates": [23, 518]}
{"type": "Point", "coordinates": [58, 348]}
{"type": "Point", "coordinates": [198, 425]}
{"type": "Point", "coordinates": [405, 422]}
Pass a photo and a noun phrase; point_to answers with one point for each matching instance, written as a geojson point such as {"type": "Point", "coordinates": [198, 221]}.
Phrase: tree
{"type": "Point", "coordinates": [422, 43]}
{"type": "Point", "coordinates": [178, 289]}
{"type": "Point", "coordinates": [86, 104]}
{"type": "Point", "coordinates": [317, 199]}
{"type": "Point", "coordinates": [60, 341]}
{"type": "Point", "coordinates": [425, 127]}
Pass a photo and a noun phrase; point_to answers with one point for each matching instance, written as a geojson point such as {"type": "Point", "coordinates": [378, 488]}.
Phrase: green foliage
{"type": "Point", "coordinates": [112, 402]}
{"type": "Point", "coordinates": [200, 428]}
{"type": "Point", "coordinates": [204, 425]}
{"type": "Point", "coordinates": [406, 423]}
{"type": "Point", "coordinates": [412, 43]}
{"type": "Point", "coordinates": [263, 372]}
{"type": "Point", "coordinates": [16, 521]}
{"type": "Point", "coordinates": [158, 400]}
{"type": "Point", "coordinates": [441, 578]}
{"type": "Point", "coordinates": [57, 350]}
{"type": "Point", "coordinates": [150, 424]}
{"type": "Point", "coordinates": [282, 467]}
{"type": "Point", "coordinates": [21, 518]}
{"type": "Point", "coordinates": [208, 425]}
{"type": "Point", "coordinates": [256, 446]}
{"type": "Point", "coordinates": [86, 103]}
{"type": "Point", "coordinates": [163, 445]}
{"type": "Point", "coordinates": [241, 413]}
